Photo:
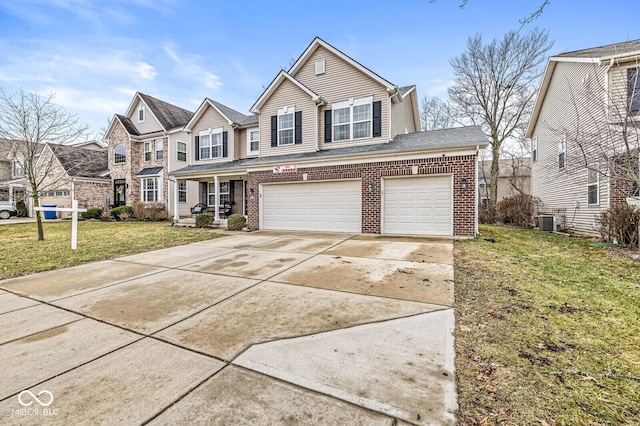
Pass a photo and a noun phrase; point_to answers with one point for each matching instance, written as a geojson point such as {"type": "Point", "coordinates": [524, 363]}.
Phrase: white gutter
{"type": "Point", "coordinates": [317, 119]}
{"type": "Point", "coordinates": [606, 86]}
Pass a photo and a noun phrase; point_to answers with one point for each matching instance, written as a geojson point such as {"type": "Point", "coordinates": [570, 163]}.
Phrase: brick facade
{"type": "Point", "coordinates": [372, 173]}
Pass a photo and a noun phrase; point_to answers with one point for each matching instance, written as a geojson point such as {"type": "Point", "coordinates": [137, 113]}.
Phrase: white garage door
{"type": "Point", "coordinates": [418, 205]}
{"type": "Point", "coordinates": [334, 206]}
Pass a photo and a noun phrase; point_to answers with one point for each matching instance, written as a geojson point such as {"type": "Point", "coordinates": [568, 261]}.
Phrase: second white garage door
{"type": "Point", "coordinates": [418, 206]}
{"type": "Point", "coordinates": [334, 206]}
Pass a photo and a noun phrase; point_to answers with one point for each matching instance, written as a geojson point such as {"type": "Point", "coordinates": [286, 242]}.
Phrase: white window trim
{"type": "Point", "coordinates": [156, 143]}
{"type": "Point", "coordinates": [249, 131]}
{"type": "Point", "coordinates": [562, 149]}
{"type": "Point", "coordinates": [291, 109]}
{"type": "Point", "coordinates": [147, 144]}
{"type": "Point", "coordinates": [350, 103]}
{"type": "Point", "coordinates": [594, 168]}
{"type": "Point", "coordinates": [144, 114]}
{"type": "Point", "coordinates": [210, 133]}
{"type": "Point", "coordinates": [178, 151]}
{"type": "Point", "coordinates": [159, 197]}
{"type": "Point", "coordinates": [182, 181]}
{"type": "Point", "coordinates": [534, 149]}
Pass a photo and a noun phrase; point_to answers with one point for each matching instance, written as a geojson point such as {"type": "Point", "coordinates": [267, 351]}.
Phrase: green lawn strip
{"type": "Point", "coordinates": [24, 254]}
{"type": "Point", "coordinates": [547, 329]}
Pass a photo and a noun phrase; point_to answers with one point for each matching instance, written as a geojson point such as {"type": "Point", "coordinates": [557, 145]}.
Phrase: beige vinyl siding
{"type": "Point", "coordinates": [173, 150]}
{"type": "Point", "coordinates": [402, 117]}
{"type": "Point", "coordinates": [193, 198]}
{"type": "Point", "coordinates": [211, 119]}
{"type": "Point", "coordinates": [340, 82]}
{"type": "Point", "coordinates": [618, 88]}
{"type": "Point", "coordinates": [240, 144]}
{"type": "Point", "coordinates": [150, 123]}
{"type": "Point", "coordinates": [287, 94]}
{"type": "Point", "coordinates": [570, 90]}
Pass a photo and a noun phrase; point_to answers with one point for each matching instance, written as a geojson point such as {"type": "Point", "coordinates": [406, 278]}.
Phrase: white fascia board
{"type": "Point", "coordinates": [205, 174]}
{"type": "Point", "coordinates": [319, 42]}
{"type": "Point", "coordinates": [133, 103]}
{"type": "Point", "coordinates": [546, 80]}
{"type": "Point", "coordinates": [229, 121]}
{"type": "Point", "coordinates": [570, 59]}
{"type": "Point", "coordinates": [113, 122]}
{"type": "Point", "coordinates": [255, 109]}
{"type": "Point", "coordinates": [201, 109]}
{"type": "Point", "coordinates": [408, 92]}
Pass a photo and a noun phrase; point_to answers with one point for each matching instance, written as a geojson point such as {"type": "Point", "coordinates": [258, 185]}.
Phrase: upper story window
{"type": "Point", "coordinates": [141, 114]}
{"type": "Point", "coordinates": [484, 183]}
{"type": "Point", "coordinates": [159, 153]}
{"type": "Point", "coordinates": [253, 141]}
{"type": "Point", "coordinates": [320, 67]}
{"type": "Point", "coordinates": [633, 90]}
{"type": "Point", "coordinates": [18, 169]}
{"type": "Point", "coordinates": [352, 119]}
{"type": "Point", "coordinates": [534, 148]}
{"type": "Point", "coordinates": [562, 151]}
{"type": "Point", "coordinates": [181, 151]}
{"type": "Point", "coordinates": [120, 154]}
{"type": "Point", "coordinates": [210, 144]}
{"type": "Point", "coordinates": [286, 124]}
{"type": "Point", "coordinates": [147, 151]}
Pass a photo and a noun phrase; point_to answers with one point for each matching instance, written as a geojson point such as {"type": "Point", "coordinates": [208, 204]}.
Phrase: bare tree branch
{"type": "Point", "coordinates": [435, 114]}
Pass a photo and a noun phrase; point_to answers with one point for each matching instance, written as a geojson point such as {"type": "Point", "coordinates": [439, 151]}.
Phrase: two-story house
{"type": "Point", "coordinates": [584, 133]}
{"type": "Point", "coordinates": [13, 184]}
{"type": "Point", "coordinates": [144, 145]}
{"type": "Point", "coordinates": [332, 146]}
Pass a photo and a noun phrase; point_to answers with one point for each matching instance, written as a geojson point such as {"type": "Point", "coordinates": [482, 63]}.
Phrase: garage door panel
{"type": "Point", "coordinates": [312, 206]}
{"type": "Point", "coordinates": [418, 205]}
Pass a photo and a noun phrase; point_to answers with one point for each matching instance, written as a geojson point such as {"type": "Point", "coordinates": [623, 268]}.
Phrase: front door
{"type": "Point", "coordinates": [119, 192]}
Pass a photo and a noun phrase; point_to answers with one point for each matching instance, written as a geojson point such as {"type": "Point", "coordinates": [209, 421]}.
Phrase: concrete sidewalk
{"type": "Point", "coordinates": [257, 328]}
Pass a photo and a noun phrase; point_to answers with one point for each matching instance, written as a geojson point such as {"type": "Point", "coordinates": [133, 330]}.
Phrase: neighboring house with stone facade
{"type": "Point", "coordinates": [144, 145]}
{"type": "Point", "coordinates": [74, 173]}
{"type": "Point", "coordinates": [333, 146]}
{"type": "Point", "coordinates": [587, 109]}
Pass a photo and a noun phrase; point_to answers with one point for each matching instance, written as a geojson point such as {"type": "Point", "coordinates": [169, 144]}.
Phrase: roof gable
{"type": "Point", "coordinates": [232, 116]}
{"type": "Point", "coordinates": [81, 162]}
{"type": "Point", "coordinates": [167, 115]}
{"type": "Point", "coordinates": [282, 76]}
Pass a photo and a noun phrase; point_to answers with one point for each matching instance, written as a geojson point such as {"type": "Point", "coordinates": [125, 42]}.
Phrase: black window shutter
{"type": "Point", "coordinates": [298, 128]}
{"type": "Point", "coordinates": [327, 125]}
{"type": "Point", "coordinates": [377, 119]}
{"type": "Point", "coordinates": [274, 130]}
{"type": "Point", "coordinates": [225, 144]}
{"type": "Point", "coordinates": [197, 147]}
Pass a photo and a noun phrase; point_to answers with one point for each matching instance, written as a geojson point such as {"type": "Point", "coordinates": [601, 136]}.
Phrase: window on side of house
{"type": "Point", "coordinates": [225, 192]}
{"type": "Point", "coordinates": [253, 141]}
{"type": "Point", "coordinates": [562, 151]}
{"type": "Point", "coordinates": [534, 148]}
{"type": "Point", "coordinates": [633, 90]}
{"type": "Point", "coordinates": [182, 191]}
{"type": "Point", "coordinates": [352, 119]}
{"type": "Point", "coordinates": [211, 144]}
{"type": "Point", "coordinates": [149, 189]}
{"type": "Point", "coordinates": [159, 147]}
{"type": "Point", "coordinates": [120, 154]}
{"type": "Point", "coordinates": [181, 148]}
{"type": "Point", "coordinates": [141, 117]}
{"type": "Point", "coordinates": [147, 151]}
{"type": "Point", "coordinates": [286, 125]}
{"type": "Point", "coordinates": [593, 185]}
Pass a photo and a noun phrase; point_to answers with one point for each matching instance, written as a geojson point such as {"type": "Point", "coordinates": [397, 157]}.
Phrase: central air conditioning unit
{"type": "Point", "coordinates": [548, 223]}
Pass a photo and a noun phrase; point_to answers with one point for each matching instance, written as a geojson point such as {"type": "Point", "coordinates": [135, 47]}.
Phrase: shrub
{"type": "Point", "coordinates": [155, 212]}
{"type": "Point", "coordinates": [236, 222]}
{"type": "Point", "coordinates": [484, 214]}
{"type": "Point", "coordinates": [517, 210]}
{"type": "Point", "coordinates": [204, 220]}
{"type": "Point", "coordinates": [119, 212]}
{"type": "Point", "coordinates": [22, 209]}
{"type": "Point", "coordinates": [92, 213]}
{"type": "Point", "coordinates": [621, 223]}
{"type": "Point", "coordinates": [138, 210]}
{"type": "Point", "coordinates": [106, 214]}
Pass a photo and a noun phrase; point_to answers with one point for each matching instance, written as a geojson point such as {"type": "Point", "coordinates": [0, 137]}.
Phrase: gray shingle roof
{"type": "Point", "coordinates": [81, 162]}
{"type": "Point", "coordinates": [149, 171]}
{"type": "Point", "coordinates": [235, 116]}
{"type": "Point", "coordinates": [604, 51]}
{"type": "Point", "coordinates": [170, 116]}
{"type": "Point", "coordinates": [128, 125]}
{"type": "Point", "coordinates": [435, 140]}
{"type": "Point", "coordinates": [405, 89]}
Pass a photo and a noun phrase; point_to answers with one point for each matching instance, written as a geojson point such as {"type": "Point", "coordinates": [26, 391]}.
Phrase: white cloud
{"type": "Point", "coordinates": [189, 66]}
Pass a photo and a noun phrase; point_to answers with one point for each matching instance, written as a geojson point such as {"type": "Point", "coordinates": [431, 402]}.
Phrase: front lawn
{"type": "Point", "coordinates": [24, 254]}
{"type": "Point", "coordinates": [547, 331]}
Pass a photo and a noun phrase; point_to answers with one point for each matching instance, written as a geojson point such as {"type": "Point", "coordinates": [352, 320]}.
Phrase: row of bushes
{"type": "Point", "coordinates": [138, 211]}
{"type": "Point", "coordinates": [235, 222]}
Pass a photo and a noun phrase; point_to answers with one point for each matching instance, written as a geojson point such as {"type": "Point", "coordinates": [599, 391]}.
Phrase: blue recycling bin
{"type": "Point", "coordinates": [48, 214]}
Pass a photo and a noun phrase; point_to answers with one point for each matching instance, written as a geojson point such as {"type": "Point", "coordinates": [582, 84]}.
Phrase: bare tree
{"type": "Point", "coordinates": [495, 85]}
{"type": "Point", "coordinates": [529, 19]}
{"type": "Point", "coordinates": [33, 122]}
{"type": "Point", "coordinates": [435, 114]}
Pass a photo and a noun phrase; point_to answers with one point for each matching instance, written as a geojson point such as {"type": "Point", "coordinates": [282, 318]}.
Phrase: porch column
{"type": "Point", "coordinates": [10, 194]}
{"type": "Point", "coordinates": [176, 215]}
{"type": "Point", "coordinates": [216, 184]}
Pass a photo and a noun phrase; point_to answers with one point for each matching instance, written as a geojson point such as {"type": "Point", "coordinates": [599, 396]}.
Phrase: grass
{"type": "Point", "coordinates": [24, 254]}
{"type": "Point", "coordinates": [547, 331]}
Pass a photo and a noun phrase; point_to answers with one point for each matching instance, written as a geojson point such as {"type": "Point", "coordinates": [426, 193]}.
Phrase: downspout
{"type": "Point", "coordinates": [320, 102]}
{"type": "Point", "coordinates": [606, 86]}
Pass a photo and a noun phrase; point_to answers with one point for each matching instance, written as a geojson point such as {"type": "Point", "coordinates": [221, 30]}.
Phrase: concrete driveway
{"type": "Point", "coordinates": [260, 328]}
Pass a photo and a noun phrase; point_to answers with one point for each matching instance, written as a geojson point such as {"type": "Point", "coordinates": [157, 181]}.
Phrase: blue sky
{"type": "Point", "coordinates": [94, 55]}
